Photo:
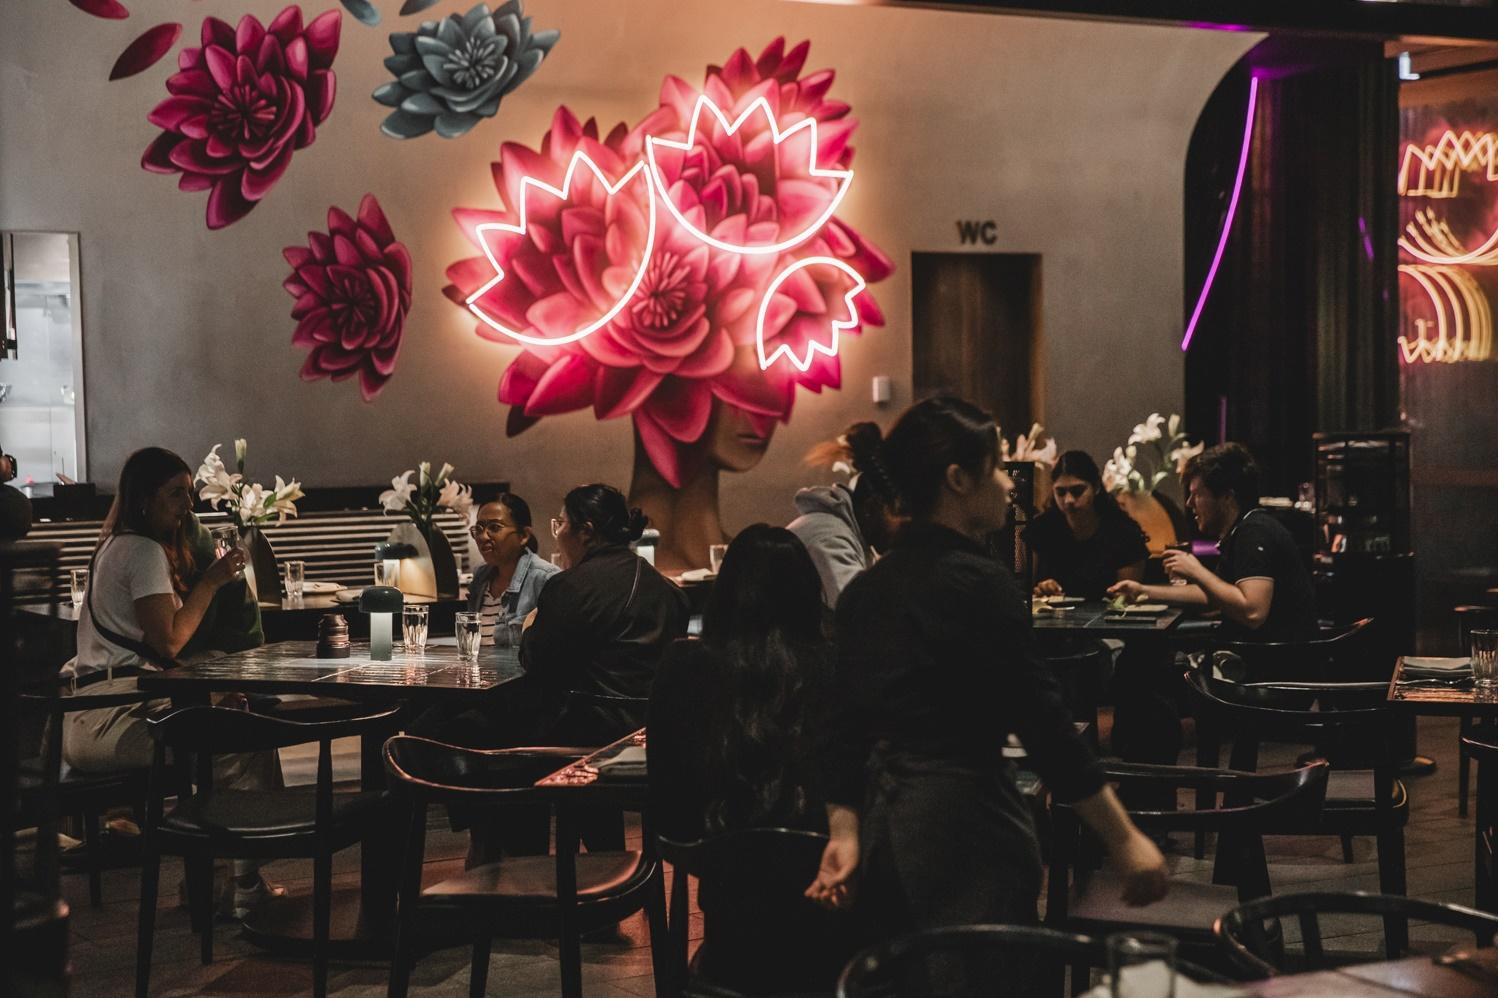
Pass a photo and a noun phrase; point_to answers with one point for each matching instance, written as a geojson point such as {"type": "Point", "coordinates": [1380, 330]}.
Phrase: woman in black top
{"type": "Point", "coordinates": [1085, 542]}
{"type": "Point", "coordinates": [935, 667]}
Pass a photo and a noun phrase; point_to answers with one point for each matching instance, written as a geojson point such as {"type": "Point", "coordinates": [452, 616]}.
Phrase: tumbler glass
{"type": "Point", "coordinates": [1142, 965]}
{"type": "Point", "coordinates": [414, 617]}
{"type": "Point", "coordinates": [1485, 659]}
{"type": "Point", "coordinates": [296, 578]}
{"type": "Point", "coordinates": [78, 583]}
{"type": "Point", "coordinates": [469, 629]}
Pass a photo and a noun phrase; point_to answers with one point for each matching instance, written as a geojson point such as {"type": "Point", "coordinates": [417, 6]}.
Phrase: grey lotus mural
{"type": "Point", "coordinates": [449, 74]}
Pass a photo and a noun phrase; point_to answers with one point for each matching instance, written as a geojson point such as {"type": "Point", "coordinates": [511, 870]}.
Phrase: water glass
{"type": "Point", "coordinates": [1142, 965]}
{"type": "Point", "coordinates": [1485, 659]}
{"type": "Point", "coordinates": [78, 582]}
{"type": "Point", "coordinates": [715, 553]}
{"type": "Point", "coordinates": [414, 619]}
{"type": "Point", "coordinates": [469, 629]}
{"type": "Point", "coordinates": [516, 627]}
{"type": "Point", "coordinates": [1176, 580]}
{"type": "Point", "coordinates": [296, 578]}
{"type": "Point", "coordinates": [225, 539]}
{"type": "Point", "coordinates": [387, 573]}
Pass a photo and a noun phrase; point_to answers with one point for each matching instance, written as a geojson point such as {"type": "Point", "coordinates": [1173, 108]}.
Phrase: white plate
{"type": "Point", "coordinates": [1142, 610]}
{"type": "Point", "coordinates": [1063, 601]}
{"type": "Point", "coordinates": [1438, 664]}
{"type": "Point", "coordinates": [697, 575]}
{"type": "Point", "coordinates": [311, 586]}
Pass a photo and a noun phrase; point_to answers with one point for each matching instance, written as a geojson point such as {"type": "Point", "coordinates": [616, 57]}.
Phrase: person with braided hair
{"type": "Point", "coordinates": [844, 527]}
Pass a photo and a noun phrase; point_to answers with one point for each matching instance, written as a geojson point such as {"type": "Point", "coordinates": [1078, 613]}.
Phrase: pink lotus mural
{"type": "Point", "coordinates": [241, 105]}
{"type": "Point", "coordinates": [352, 287]}
{"type": "Point", "coordinates": [636, 286]}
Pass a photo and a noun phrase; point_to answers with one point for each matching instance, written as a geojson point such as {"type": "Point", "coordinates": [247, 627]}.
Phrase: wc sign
{"type": "Point", "coordinates": [971, 233]}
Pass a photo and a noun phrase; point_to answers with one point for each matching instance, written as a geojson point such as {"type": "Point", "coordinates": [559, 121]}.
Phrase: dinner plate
{"type": "Point", "coordinates": [1062, 601]}
{"type": "Point", "coordinates": [1142, 610]}
{"type": "Point", "coordinates": [697, 575]}
{"type": "Point", "coordinates": [311, 586]}
{"type": "Point", "coordinates": [1412, 662]}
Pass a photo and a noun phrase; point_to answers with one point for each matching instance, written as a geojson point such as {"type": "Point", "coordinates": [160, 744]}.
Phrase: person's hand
{"type": "Point", "coordinates": [1049, 587]}
{"type": "Point", "coordinates": [1129, 589]}
{"type": "Point", "coordinates": [833, 886]}
{"type": "Point", "coordinates": [1142, 867]}
{"type": "Point", "coordinates": [530, 619]}
{"type": "Point", "coordinates": [1183, 565]}
{"type": "Point", "coordinates": [225, 570]}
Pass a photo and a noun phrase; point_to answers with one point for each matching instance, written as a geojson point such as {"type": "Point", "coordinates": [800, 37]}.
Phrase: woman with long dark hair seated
{"type": "Point", "coordinates": [732, 721]}
{"type": "Point", "coordinates": [1084, 542]}
{"type": "Point", "coordinates": [935, 668]}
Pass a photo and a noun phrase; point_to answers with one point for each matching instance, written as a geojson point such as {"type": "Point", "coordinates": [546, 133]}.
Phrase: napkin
{"type": "Point", "coordinates": [1436, 668]}
{"type": "Point", "coordinates": [628, 764]}
{"type": "Point", "coordinates": [1150, 979]}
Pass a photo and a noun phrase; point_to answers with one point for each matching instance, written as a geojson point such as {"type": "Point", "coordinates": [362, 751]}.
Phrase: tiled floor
{"type": "Point", "coordinates": [1439, 849]}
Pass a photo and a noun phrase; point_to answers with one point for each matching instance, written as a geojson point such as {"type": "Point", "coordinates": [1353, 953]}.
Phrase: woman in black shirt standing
{"type": "Point", "coordinates": [1085, 542]}
{"type": "Point", "coordinates": [935, 667]}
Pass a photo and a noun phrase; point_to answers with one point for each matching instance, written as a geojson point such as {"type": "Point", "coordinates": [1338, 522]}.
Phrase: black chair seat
{"type": "Point", "coordinates": [1351, 790]}
{"type": "Point", "coordinates": [600, 876]}
{"type": "Point", "coordinates": [266, 813]}
{"type": "Point", "coordinates": [1190, 908]}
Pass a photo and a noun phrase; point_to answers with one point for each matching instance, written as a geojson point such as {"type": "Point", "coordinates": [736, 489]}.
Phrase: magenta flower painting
{"type": "Point", "coordinates": [241, 105]}
{"type": "Point", "coordinates": [639, 292]}
{"type": "Point", "coordinates": [352, 286]}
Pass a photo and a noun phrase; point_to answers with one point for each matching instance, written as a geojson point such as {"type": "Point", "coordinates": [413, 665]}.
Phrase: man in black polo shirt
{"type": "Point", "coordinates": [1260, 586]}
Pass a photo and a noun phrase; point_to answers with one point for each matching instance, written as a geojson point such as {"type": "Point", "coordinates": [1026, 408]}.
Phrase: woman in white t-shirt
{"type": "Point", "coordinates": [137, 616]}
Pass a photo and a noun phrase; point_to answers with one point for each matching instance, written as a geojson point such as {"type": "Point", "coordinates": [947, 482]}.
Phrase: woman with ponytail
{"type": "Point", "coordinates": [936, 667]}
{"type": "Point", "coordinates": [845, 526]}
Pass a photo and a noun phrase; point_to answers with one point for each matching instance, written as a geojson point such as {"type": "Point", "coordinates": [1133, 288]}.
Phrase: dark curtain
{"type": "Point", "coordinates": [1299, 332]}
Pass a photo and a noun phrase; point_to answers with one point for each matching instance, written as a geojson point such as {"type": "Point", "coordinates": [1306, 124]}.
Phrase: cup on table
{"type": "Point", "coordinates": [1185, 546]}
{"type": "Point", "coordinates": [715, 553]}
{"type": "Point", "coordinates": [78, 585]}
{"type": "Point", "coordinates": [469, 630]}
{"type": "Point", "coordinates": [1141, 965]}
{"type": "Point", "coordinates": [387, 573]}
{"type": "Point", "coordinates": [296, 579]}
{"type": "Point", "coordinates": [1485, 659]}
{"type": "Point", "coordinates": [516, 628]}
{"type": "Point", "coordinates": [225, 539]}
{"type": "Point", "coordinates": [414, 618]}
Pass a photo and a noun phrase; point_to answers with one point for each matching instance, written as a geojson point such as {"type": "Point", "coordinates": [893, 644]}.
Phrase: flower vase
{"type": "Point", "coordinates": [434, 570]}
{"type": "Point", "coordinates": [1153, 518]}
{"type": "Point", "coordinates": [260, 570]}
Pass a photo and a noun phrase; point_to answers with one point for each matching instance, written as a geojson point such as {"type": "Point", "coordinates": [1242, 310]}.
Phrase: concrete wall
{"type": "Point", "coordinates": [1070, 135]}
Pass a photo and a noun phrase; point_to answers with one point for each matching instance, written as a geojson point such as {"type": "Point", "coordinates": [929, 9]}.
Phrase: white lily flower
{"type": "Point", "coordinates": [443, 475]}
{"type": "Point", "coordinates": [458, 498]}
{"type": "Point", "coordinates": [1046, 454]}
{"type": "Point", "coordinates": [241, 447]}
{"type": "Point", "coordinates": [1183, 454]}
{"type": "Point", "coordinates": [425, 468]}
{"type": "Point", "coordinates": [395, 498]}
{"type": "Point", "coordinates": [283, 501]}
{"type": "Point", "coordinates": [252, 507]}
{"type": "Point", "coordinates": [218, 484]}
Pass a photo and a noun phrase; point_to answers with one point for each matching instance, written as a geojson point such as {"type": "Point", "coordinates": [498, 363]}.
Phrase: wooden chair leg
{"type": "Point", "coordinates": [150, 872]}
{"type": "Point", "coordinates": [1463, 767]}
{"type": "Point", "coordinates": [662, 950]}
{"type": "Point", "coordinates": [1392, 880]}
{"type": "Point", "coordinates": [200, 903]}
{"type": "Point", "coordinates": [322, 915]}
{"type": "Point", "coordinates": [407, 903]}
{"type": "Point", "coordinates": [478, 971]}
{"type": "Point", "coordinates": [92, 848]}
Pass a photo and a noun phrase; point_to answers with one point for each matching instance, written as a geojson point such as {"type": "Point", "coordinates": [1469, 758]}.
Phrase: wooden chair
{"type": "Point", "coordinates": [518, 892]}
{"type": "Point", "coordinates": [1468, 619]}
{"type": "Point", "coordinates": [1333, 655]}
{"type": "Point", "coordinates": [1251, 936]}
{"type": "Point", "coordinates": [1243, 808]}
{"type": "Point", "coordinates": [1482, 745]}
{"type": "Point", "coordinates": [207, 823]}
{"type": "Point", "coordinates": [761, 935]}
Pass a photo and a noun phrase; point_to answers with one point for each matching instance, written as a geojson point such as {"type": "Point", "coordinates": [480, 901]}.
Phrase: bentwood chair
{"type": "Point", "coordinates": [761, 935]}
{"type": "Point", "coordinates": [1255, 941]}
{"type": "Point", "coordinates": [208, 822]}
{"type": "Point", "coordinates": [516, 894]}
{"type": "Point", "coordinates": [1244, 807]}
{"type": "Point", "coordinates": [1483, 746]}
{"type": "Point", "coordinates": [1331, 656]}
{"type": "Point", "coordinates": [1468, 619]}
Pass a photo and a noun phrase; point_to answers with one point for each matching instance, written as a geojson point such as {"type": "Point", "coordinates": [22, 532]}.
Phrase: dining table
{"type": "Point", "coordinates": [1097, 619]}
{"type": "Point", "coordinates": [1476, 976]}
{"type": "Point", "coordinates": [1439, 693]}
{"type": "Point", "coordinates": [437, 676]}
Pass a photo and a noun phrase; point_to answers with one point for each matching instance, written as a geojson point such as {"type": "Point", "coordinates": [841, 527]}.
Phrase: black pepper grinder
{"type": "Point", "coordinates": [332, 636]}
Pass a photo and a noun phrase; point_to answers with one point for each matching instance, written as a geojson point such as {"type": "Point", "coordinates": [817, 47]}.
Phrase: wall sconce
{"type": "Point", "coordinates": [382, 603]}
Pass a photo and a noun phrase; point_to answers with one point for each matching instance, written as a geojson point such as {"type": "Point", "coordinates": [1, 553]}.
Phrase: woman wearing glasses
{"type": "Point", "coordinates": [505, 588]}
{"type": "Point", "coordinates": [1085, 542]}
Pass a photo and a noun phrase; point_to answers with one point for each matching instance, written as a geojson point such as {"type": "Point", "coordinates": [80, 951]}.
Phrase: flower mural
{"type": "Point", "coordinates": [352, 286]}
{"type": "Point", "coordinates": [241, 105]}
{"type": "Point", "coordinates": [680, 357]}
{"type": "Point", "coordinates": [450, 74]}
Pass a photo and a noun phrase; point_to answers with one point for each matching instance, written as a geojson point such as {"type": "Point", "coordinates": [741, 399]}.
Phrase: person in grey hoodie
{"type": "Point", "coordinates": [844, 526]}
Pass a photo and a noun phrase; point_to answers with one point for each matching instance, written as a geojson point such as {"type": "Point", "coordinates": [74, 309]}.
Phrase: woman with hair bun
{"type": "Point", "coordinates": [601, 625]}
{"type": "Point", "coordinates": [845, 526]}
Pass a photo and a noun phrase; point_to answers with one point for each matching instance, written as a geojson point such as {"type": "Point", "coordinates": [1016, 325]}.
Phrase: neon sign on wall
{"type": "Point", "coordinates": [1448, 318]}
{"type": "Point", "coordinates": [656, 191]}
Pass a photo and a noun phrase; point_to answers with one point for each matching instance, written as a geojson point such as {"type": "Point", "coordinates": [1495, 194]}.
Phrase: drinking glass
{"type": "Point", "coordinates": [1142, 965]}
{"type": "Point", "coordinates": [387, 573]}
{"type": "Point", "coordinates": [715, 553]}
{"type": "Point", "coordinates": [516, 627]}
{"type": "Point", "coordinates": [1485, 659]}
{"type": "Point", "coordinates": [296, 577]}
{"type": "Point", "coordinates": [414, 619]}
{"type": "Point", "coordinates": [78, 582]}
{"type": "Point", "coordinates": [470, 633]}
{"type": "Point", "coordinates": [1176, 580]}
{"type": "Point", "coordinates": [225, 539]}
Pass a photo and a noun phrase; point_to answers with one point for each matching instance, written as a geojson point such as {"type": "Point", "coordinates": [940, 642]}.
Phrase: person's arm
{"type": "Point", "coordinates": [1137, 859]}
{"type": "Point", "coordinates": [1137, 592]}
{"type": "Point", "coordinates": [1244, 602]}
{"type": "Point", "coordinates": [166, 627]}
{"type": "Point", "coordinates": [833, 886]}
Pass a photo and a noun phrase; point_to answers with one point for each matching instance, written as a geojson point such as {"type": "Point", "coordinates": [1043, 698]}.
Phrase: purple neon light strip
{"type": "Point", "coordinates": [1227, 223]}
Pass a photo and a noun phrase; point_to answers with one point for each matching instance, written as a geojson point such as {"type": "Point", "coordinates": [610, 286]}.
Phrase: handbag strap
{"type": "Point", "coordinates": [145, 651]}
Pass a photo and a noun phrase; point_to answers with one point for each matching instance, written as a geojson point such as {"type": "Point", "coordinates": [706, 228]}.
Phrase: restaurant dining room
{"type": "Point", "coordinates": [720, 498]}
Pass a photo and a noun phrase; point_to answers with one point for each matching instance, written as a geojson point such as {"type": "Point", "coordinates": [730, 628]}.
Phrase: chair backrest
{"type": "Point", "coordinates": [427, 771]}
{"type": "Point", "coordinates": [768, 858]}
{"type": "Point", "coordinates": [1348, 712]}
{"type": "Point", "coordinates": [1250, 802]}
{"type": "Point", "coordinates": [967, 960]}
{"type": "Point", "coordinates": [1311, 660]}
{"type": "Point", "coordinates": [221, 730]}
{"type": "Point", "coordinates": [1251, 935]}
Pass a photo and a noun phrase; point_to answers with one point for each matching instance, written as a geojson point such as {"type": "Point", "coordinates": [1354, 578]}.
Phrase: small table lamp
{"type": "Point", "coordinates": [392, 553]}
{"type": "Point", "coordinates": [381, 603]}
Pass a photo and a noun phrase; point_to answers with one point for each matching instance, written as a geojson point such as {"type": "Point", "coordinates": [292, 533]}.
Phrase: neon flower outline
{"type": "Point", "coordinates": [812, 346]}
{"type": "Point", "coordinates": [1227, 223]}
{"type": "Point", "coordinates": [761, 104]}
{"type": "Point", "coordinates": [519, 228]}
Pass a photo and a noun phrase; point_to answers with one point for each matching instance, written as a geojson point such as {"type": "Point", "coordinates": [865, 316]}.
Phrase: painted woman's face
{"type": "Point", "coordinates": [737, 440]}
